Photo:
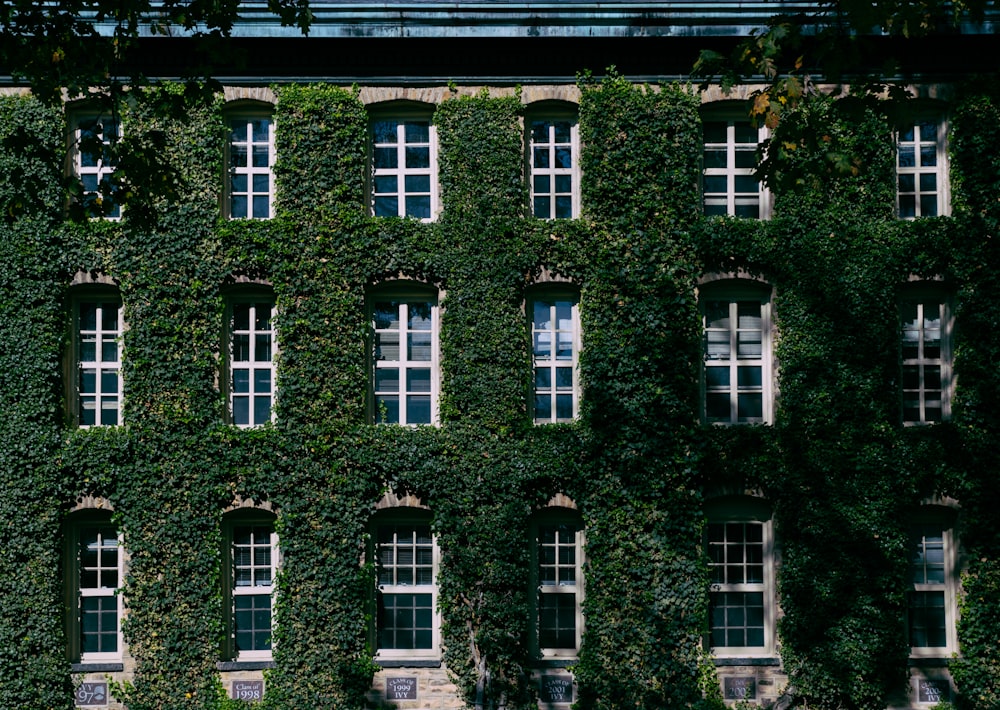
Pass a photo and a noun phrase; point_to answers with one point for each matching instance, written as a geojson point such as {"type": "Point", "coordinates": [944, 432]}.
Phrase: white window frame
{"type": "Point", "coordinates": [243, 123]}
{"type": "Point", "coordinates": [233, 523]}
{"type": "Point", "coordinates": [735, 293]}
{"type": "Point", "coordinates": [402, 171]}
{"type": "Point", "coordinates": [742, 512]}
{"type": "Point", "coordinates": [251, 365]}
{"type": "Point", "coordinates": [79, 526]}
{"type": "Point", "coordinates": [100, 366]}
{"type": "Point", "coordinates": [731, 199]}
{"type": "Point", "coordinates": [924, 522]}
{"type": "Point", "coordinates": [548, 148]}
{"type": "Point", "coordinates": [557, 519]}
{"type": "Point", "coordinates": [102, 170]}
{"type": "Point", "coordinates": [916, 333]}
{"type": "Point", "coordinates": [405, 296]}
{"type": "Point", "coordinates": [914, 139]}
{"type": "Point", "coordinates": [551, 364]}
{"type": "Point", "coordinates": [408, 523]}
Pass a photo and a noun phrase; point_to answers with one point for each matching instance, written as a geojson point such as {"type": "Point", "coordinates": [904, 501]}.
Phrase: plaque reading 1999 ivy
{"type": "Point", "coordinates": [742, 687]}
{"type": "Point", "coordinates": [401, 688]}
{"type": "Point", "coordinates": [91, 695]}
{"type": "Point", "coordinates": [556, 689]}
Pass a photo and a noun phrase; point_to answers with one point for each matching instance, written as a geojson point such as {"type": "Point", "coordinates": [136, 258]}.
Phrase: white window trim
{"type": "Point", "coordinates": [920, 296]}
{"type": "Point", "coordinates": [551, 117]}
{"type": "Point", "coordinates": [950, 587]}
{"type": "Point", "coordinates": [245, 117]}
{"type": "Point", "coordinates": [406, 293]}
{"type": "Point", "coordinates": [731, 117]}
{"type": "Point", "coordinates": [735, 291]}
{"type": "Point", "coordinates": [101, 170]}
{"type": "Point", "coordinates": [551, 294]}
{"type": "Point", "coordinates": [401, 171]}
{"type": "Point", "coordinates": [416, 654]}
{"type": "Point", "coordinates": [78, 523]}
{"type": "Point", "coordinates": [254, 299]}
{"type": "Point", "coordinates": [238, 521]}
{"type": "Point", "coordinates": [548, 518]}
{"type": "Point", "coordinates": [102, 299]}
{"type": "Point", "coordinates": [941, 169]}
{"type": "Point", "coordinates": [750, 512]}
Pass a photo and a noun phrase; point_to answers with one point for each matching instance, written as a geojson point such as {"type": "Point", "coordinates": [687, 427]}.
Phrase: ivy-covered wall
{"type": "Point", "coordinates": [836, 466]}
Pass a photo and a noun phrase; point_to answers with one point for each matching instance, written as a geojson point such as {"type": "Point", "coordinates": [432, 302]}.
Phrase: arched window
{"type": "Point", "coordinates": [554, 160]}
{"type": "Point", "coordinates": [557, 570]}
{"type": "Point", "coordinates": [740, 544]}
{"type": "Point", "coordinates": [404, 162]}
{"type": "Point", "coordinates": [555, 347]}
{"type": "Point", "coordinates": [94, 574]}
{"type": "Point", "coordinates": [922, 181]}
{"type": "Point", "coordinates": [250, 379]}
{"type": "Point", "coordinates": [729, 185]}
{"type": "Point", "coordinates": [404, 353]}
{"type": "Point", "coordinates": [736, 379]}
{"type": "Point", "coordinates": [250, 157]}
{"type": "Point", "coordinates": [932, 598]}
{"type": "Point", "coordinates": [405, 554]}
{"type": "Point", "coordinates": [95, 391]}
{"type": "Point", "coordinates": [250, 564]}
{"type": "Point", "coordinates": [926, 328]}
{"type": "Point", "coordinates": [92, 137]}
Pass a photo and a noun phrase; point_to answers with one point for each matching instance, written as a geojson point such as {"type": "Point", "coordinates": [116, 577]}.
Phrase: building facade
{"type": "Point", "coordinates": [422, 369]}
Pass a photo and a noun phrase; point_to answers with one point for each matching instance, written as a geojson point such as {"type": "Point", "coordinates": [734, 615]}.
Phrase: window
{"type": "Point", "coordinates": [932, 597]}
{"type": "Point", "coordinates": [94, 574]}
{"type": "Point", "coordinates": [737, 349]}
{"type": "Point", "coordinates": [405, 355]}
{"type": "Point", "coordinates": [925, 352]}
{"type": "Point", "coordinates": [404, 168]}
{"type": "Point", "coordinates": [251, 566]}
{"type": "Point", "coordinates": [251, 362]}
{"type": "Point", "coordinates": [98, 392]}
{"type": "Point", "coordinates": [406, 561]}
{"type": "Point", "coordinates": [555, 338]}
{"type": "Point", "coordinates": [554, 148]}
{"type": "Point", "coordinates": [251, 159]}
{"type": "Point", "coordinates": [94, 166]}
{"type": "Point", "coordinates": [728, 184]}
{"type": "Point", "coordinates": [922, 170]}
{"type": "Point", "coordinates": [741, 607]}
{"type": "Point", "coordinates": [558, 567]}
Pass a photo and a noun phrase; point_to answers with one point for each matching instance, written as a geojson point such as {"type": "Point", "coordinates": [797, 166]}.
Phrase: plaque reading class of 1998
{"type": "Point", "coordinates": [249, 690]}
{"type": "Point", "coordinates": [401, 688]}
{"type": "Point", "coordinates": [739, 688]}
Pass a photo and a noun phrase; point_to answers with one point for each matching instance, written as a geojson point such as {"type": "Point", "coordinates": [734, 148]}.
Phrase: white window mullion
{"type": "Point", "coordinates": [99, 383]}
{"type": "Point", "coordinates": [94, 136]}
{"type": "Point", "coordinates": [254, 563]}
{"type": "Point", "coordinates": [251, 163]}
{"type": "Point", "coordinates": [554, 147]}
{"type": "Point", "coordinates": [100, 572]}
{"type": "Point", "coordinates": [252, 372]}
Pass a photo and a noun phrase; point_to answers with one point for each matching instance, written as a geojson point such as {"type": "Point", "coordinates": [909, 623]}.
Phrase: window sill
{"type": "Point", "coordinates": [116, 667]}
{"type": "Point", "coordinates": [556, 662]}
{"type": "Point", "coordinates": [929, 661]}
{"type": "Point", "coordinates": [748, 661]}
{"type": "Point", "coordinates": [407, 663]}
{"type": "Point", "coordinates": [244, 665]}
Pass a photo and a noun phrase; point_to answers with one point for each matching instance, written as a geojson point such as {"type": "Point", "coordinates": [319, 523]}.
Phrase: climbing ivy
{"type": "Point", "coordinates": [836, 467]}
